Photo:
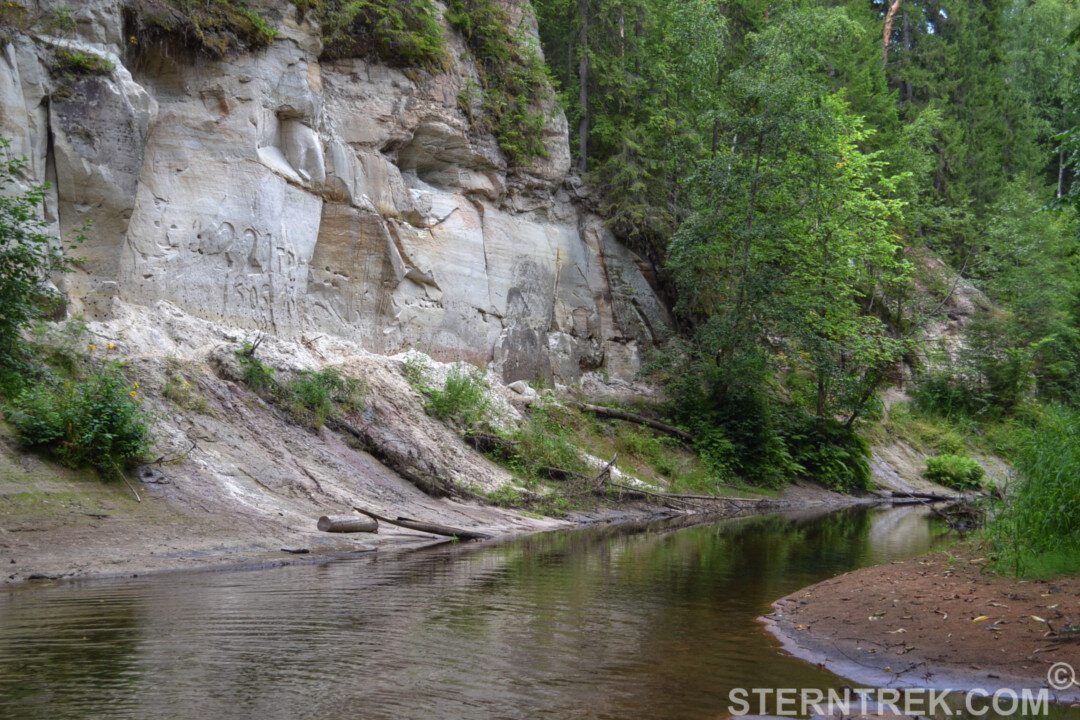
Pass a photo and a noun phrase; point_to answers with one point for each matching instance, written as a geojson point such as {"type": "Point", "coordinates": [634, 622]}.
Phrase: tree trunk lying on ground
{"type": "Point", "coordinates": [396, 453]}
{"type": "Point", "coordinates": [421, 526]}
{"type": "Point", "coordinates": [347, 524]}
{"type": "Point", "coordinates": [924, 496]}
{"type": "Point", "coordinates": [607, 412]}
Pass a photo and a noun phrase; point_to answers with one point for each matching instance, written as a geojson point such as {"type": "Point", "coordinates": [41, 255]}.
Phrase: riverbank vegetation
{"type": "Point", "coordinates": [73, 403]}
{"type": "Point", "coordinates": [795, 169]}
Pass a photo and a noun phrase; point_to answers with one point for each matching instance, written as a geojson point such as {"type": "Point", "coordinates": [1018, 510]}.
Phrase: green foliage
{"type": "Point", "coordinates": [310, 397]}
{"type": "Point", "coordinates": [955, 471]}
{"type": "Point", "coordinates": [462, 399]}
{"type": "Point", "coordinates": [314, 396]}
{"type": "Point", "coordinates": [1037, 531]}
{"type": "Point", "coordinates": [405, 33]}
{"type": "Point", "coordinates": [179, 390]}
{"type": "Point", "coordinates": [211, 27]}
{"type": "Point", "coordinates": [829, 453]}
{"type": "Point", "coordinates": [72, 64]}
{"type": "Point", "coordinates": [415, 369]}
{"type": "Point", "coordinates": [28, 256]}
{"type": "Point", "coordinates": [257, 375]}
{"type": "Point", "coordinates": [513, 78]}
{"type": "Point", "coordinates": [98, 421]}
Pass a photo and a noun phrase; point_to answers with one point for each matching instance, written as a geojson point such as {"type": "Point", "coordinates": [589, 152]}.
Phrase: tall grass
{"type": "Point", "coordinates": [1037, 531]}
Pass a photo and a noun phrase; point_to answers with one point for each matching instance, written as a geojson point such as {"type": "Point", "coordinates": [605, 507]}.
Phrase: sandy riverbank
{"type": "Point", "coordinates": [939, 622]}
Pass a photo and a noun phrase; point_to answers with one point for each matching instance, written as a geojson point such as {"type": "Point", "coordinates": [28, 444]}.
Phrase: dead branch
{"type": "Point", "coordinates": [607, 412]}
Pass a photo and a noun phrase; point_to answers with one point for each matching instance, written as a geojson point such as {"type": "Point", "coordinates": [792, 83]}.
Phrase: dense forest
{"type": "Point", "coordinates": [798, 170]}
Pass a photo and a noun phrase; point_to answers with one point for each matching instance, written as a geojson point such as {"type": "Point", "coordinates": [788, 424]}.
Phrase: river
{"type": "Point", "coordinates": [612, 622]}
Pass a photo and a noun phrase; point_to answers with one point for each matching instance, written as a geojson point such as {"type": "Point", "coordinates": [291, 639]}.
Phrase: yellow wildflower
{"type": "Point", "coordinates": [134, 393]}
{"type": "Point", "coordinates": [93, 348]}
{"type": "Point", "coordinates": [110, 347]}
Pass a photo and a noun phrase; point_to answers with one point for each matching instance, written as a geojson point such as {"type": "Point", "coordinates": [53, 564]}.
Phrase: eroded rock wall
{"type": "Point", "coordinates": [273, 191]}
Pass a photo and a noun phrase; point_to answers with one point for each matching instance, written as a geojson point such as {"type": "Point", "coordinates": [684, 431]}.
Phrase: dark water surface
{"type": "Point", "coordinates": [596, 623]}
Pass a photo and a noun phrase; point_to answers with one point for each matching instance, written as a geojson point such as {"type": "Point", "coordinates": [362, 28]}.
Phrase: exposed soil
{"type": "Point", "coordinates": [937, 622]}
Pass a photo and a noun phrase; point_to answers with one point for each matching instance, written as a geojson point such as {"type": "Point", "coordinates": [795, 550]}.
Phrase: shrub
{"type": "Point", "coordinates": [955, 471]}
{"type": "Point", "coordinates": [28, 256]}
{"type": "Point", "coordinates": [399, 33]}
{"type": "Point", "coordinates": [513, 76]}
{"type": "Point", "coordinates": [829, 453]}
{"type": "Point", "coordinates": [316, 395]}
{"type": "Point", "coordinates": [97, 422]}
{"type": "Point", "coordinates": [257, 376]}
{"type": "Point", "coordinates": [462, 399]}
{"type": "Point", "coordinates": [211, 27]}
{"type": "Point", "coordinates": [951, 392]}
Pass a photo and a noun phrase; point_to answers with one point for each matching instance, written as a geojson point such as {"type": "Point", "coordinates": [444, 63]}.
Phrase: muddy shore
{"type": "Point", "coordinates": [937, 622]}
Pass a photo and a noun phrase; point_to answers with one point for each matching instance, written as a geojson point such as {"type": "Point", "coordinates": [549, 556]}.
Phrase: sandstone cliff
{"type": "Point", "coordinates": [272, 191]}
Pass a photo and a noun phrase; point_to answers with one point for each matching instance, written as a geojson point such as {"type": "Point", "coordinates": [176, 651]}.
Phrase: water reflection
{"type": "Point", "coordinates": [601, 623]}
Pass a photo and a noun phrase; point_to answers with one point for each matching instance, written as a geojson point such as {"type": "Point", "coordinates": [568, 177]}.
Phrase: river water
{"type": "Point", "coordinates": [615, 622]}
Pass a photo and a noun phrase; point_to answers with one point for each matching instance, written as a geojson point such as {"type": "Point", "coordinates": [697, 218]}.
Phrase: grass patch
{"type": "Point", "coordinates": [179, 390]}
{"type": "Point", "coordinates": [310, 397]}
{"type": "Point", "coordinates": [210, 27]}
{"type": "Point", "coordinates": [73, 64]}
{"type": "Point", "coordinates": [1037, 530]}
{"type": "Point", "coordinates": [934, 434]}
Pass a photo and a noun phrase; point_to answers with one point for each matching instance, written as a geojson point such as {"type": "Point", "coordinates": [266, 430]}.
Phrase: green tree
{"type": "Point", "coordinates": [29, 256]}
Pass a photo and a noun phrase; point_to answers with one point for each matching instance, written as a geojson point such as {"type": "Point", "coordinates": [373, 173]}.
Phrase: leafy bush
{"type": "Point", "coordinates": [97, 422]}
{"type": "Point", "coordinates": [257, 376]}
{"type": "Point", "coordinates": [462, 399]}
{"type": "Point", "coordinates": [951, 392]}
{"type": "Point", "coordinates": [316, 395]}
{"type": "Point", "coordinates": [398, 33]}
{"type": "Point", "coordinates": [830, 453]}
{"type": "Point", "coordinates": [514, 78]}
{"type": "Point", "coordinates": [955, 471]}
{"type": "Point", "coordinates": [212, 27]}
{"type": "Point", "coordinates": [72, 64]}
{"type": "Point", "coordinates": [28, 256]}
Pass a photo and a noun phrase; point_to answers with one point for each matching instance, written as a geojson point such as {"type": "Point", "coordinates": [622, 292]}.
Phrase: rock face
{"type": "Point", "coordinates": [271, 191]}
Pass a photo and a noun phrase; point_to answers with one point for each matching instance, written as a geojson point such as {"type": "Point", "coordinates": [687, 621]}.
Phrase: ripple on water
{"type": "Point", "coordinates": [586, 624]}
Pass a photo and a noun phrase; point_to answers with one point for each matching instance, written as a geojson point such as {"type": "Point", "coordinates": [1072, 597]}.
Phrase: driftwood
{"type": "Point", "coordinates": [348, 524]}
{"type": "Point", "coordinates": [421, 526]}
{"type": "Point", "coordinates": [607, 412]}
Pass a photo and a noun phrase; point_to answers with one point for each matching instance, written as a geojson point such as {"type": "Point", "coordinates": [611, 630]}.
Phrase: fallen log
{"type": "Point", "coordinates": [489, 442]}
{"type": "Point", "coordinates": [925, 496]}
{"type": "Point", "coordinates": [607, 412]}
{"type": "Point", "coordinates": [347, 524]}
{"type": "Point", "coordinates": [426, 527]}
{"type": "Point", "coordinates": [682, 496]}
{"type": "Point", "coordinates": [396, 454]}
